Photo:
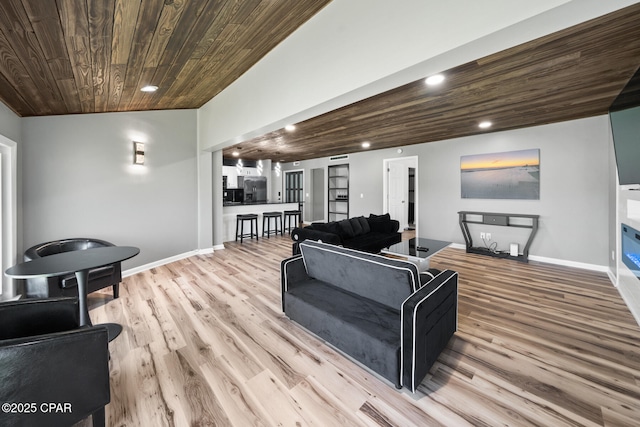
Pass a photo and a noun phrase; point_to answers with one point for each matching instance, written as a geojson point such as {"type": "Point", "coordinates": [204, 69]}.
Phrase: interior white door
{"type": "Point", "coordinates": [398, 184]}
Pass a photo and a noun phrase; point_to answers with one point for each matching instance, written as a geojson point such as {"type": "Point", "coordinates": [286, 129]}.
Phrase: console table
{"type": "Point", "coordinates": [499, 219]}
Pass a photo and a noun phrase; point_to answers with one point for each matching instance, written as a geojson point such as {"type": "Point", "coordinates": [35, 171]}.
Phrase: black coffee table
{"type": "Point", "coordinates": [417, 250]}
{"type": "Point", "coordinates": [79, 263]}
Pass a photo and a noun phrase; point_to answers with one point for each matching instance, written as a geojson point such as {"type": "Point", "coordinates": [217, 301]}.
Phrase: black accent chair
{"type": "Point", "coordinates": [46, 358]}
{"type": "Point", "coordinates": [67, 285]}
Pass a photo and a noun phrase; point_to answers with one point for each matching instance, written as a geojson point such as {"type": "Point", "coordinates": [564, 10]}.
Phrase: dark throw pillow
{"type": "Point", "coordinates": [346, 230]}
{"type": "Point", "coordinates": [364, 224]}
{"type": "Point", "coordinates": [357, 228]}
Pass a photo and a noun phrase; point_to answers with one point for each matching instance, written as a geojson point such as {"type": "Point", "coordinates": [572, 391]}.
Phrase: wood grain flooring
{"type": "Point", "coordinates": [205, 343]}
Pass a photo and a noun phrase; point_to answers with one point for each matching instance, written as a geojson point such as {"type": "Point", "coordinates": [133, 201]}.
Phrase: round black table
{"type": "Point", "coordinates": [79, 263]}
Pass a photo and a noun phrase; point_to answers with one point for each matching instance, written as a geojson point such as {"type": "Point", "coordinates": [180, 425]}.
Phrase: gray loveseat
{"type": "Point", "coordinates": [382, 312]}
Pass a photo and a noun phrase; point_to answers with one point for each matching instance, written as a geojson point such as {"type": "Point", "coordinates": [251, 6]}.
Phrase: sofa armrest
{"type": "Point", "coordinates": [38, 316]}
{"type": "Point", "coordinates": [429, 319]}
{"type": "Point", "coordinates": [292, 272]}
{"type": "Point", "coordinates": [305, 233]}
{"type": "Point", "coordinates": [389, 226]}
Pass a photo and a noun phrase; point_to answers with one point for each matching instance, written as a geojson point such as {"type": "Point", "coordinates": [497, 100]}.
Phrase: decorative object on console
{"type": "Point", "coordinates": [508, 175]}
{"type": "Point", "coordinates": [379, 311]}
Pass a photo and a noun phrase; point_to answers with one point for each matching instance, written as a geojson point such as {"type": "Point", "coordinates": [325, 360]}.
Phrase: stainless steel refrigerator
{"type": "Point", "coordinates": [255, 188]}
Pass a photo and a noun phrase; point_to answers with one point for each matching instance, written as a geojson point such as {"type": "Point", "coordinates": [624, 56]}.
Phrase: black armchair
{"type": "Point", "coordinates": [51, 371]}
{"type": "Point", "coordinates": [67, 285]}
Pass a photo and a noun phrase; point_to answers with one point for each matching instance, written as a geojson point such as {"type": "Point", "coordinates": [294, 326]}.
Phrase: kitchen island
{"type": "Point", "coordinates": [231, 209]}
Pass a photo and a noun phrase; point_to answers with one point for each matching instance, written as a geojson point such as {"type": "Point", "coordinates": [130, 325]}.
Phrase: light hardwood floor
{"type": "Point", "coordinates": [205, 343]}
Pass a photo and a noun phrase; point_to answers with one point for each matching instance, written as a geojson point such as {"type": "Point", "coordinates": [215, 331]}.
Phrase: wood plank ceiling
{"type": "Point", "coordinates": [571, 74]}
{"type": "Point", "coordinates": [86, 56]}
{"type": "Point", "coordinates": [93, 56]}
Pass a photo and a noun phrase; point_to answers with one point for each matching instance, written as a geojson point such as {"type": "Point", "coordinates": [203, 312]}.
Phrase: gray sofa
{"type": "Point", "coordinates": [382, 312]}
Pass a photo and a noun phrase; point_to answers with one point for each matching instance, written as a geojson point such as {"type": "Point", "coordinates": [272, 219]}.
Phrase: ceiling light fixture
{"type": "Point", "coordinates": [485, 125]}
{"type": "Point", "coordinates": [366, 144]}
{"type": "Point", "coordinates": [149, 88]}
{"type": "Point", "coordinates": [290, 128]}
{"type": "Point", "coordinates": [436, 79]}
{"type": "Point", "coordinates": [235, 154]}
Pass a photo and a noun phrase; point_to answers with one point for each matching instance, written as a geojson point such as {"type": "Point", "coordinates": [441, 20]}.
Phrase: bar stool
{"type": "Point", "coordinates": [267, 216]}
{"type": "Point", "coordinates": [290, 216]}
{"type": "Point", "coordinates": [240, 219]}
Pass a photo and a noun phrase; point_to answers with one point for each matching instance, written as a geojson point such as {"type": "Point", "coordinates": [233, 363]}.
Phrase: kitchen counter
{"type": "Point", "coordinates": [225, 204]}
{"type": "Point", "coordinates": [231, 209]}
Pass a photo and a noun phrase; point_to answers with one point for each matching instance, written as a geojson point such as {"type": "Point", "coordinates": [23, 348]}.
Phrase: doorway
{"type": "Point", "coordinates": [400, 191]}
{"type": "Point", "coordinates": [8, 214]}
{"type": "Point", "coordinates": [294, 188]}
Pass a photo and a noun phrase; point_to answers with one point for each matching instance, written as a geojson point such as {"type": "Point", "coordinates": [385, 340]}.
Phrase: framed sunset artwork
{"type": "Point", "coordinates": [506, 175]}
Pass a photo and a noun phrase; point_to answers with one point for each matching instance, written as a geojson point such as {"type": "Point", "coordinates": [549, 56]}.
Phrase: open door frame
{"type": "Point", "coordinates": [411, 162]}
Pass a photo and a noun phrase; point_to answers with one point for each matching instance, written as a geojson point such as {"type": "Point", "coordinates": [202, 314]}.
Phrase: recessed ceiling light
{"type": "Point", "coordinates": [366, 144]}
{"type": "Point", "coordinates": [436, 79]}
{"type": "Point", "coordinates": [149, 88]}
{"type": "Point", "coordinates": [290, 128]}
{"type": "Point", "coordinates": [235, 154]}
{"type": "Point", "coordinates": [485, 125]}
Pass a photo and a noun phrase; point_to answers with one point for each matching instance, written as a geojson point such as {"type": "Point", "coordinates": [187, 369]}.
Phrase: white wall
{"type": "Point", "coordinates": [10, 125]}
{"type": "Point", "coordinates": [358, 48]}
{"type": "Point", "coordinates": [573, 205]}
{"type": "Point", "coordinates": [79, 181]}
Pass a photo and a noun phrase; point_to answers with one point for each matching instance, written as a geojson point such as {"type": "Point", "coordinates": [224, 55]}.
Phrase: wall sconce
{"type": "Point", "coordinates": [138, 153]}
{"type": "Point", "coordinates": [278, 169]}
{"type": "Point", "coordinates": [259, 167]}
{"type": "Point", "coordinates": [239, 166]}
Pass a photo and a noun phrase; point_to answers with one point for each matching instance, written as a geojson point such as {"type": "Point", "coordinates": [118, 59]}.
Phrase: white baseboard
{"type": "Point", "coordinates": [161, 262]}
{"type": "Point", "coordinates": [556, 261]}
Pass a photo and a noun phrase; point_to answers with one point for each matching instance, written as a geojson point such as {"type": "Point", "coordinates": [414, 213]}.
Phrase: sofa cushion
{"type": "Point", "coordinates": [379, 218]}
{"type": "Point", "coordinates": [357, 228]}
{"type": "Point", "coordinates": [364, 329]}
{"type": "Point", "coordinates": [329, 227]}
{"type": "Point", "coordinates": [346, 230]}
{"type": "Point", "coordinates": [387, 281]}
{"type": "Point", "coordinates": [383, 223]}
{"type": "Point", "coordinates": [364, 224]}
{"type": "Point", "coordinates": [373, 241]}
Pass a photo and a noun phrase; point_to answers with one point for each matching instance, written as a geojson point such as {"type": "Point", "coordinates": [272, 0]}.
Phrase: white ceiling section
{"type": "Point", "coordinates": [358, 48]}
